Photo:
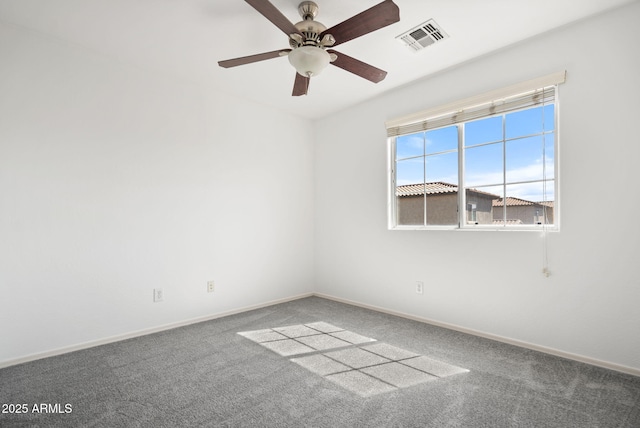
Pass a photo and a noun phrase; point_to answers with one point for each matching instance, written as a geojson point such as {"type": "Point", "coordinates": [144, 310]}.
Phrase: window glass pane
{"type": "Point", "coordinates": [442, 168]}
{"type": "Point", "coordinates": [410, 145]}
{"type": "Point", "coordinates": [525, 122]}
{"type": "Point", "coordinates": [549, 155]}
{"type": "Point", "coordinates": [410, 210]}
{"type": "Point", "coordinates": [479, 204]}
{"type": "Point", "coordinates": [524, 203]}
{"type": "Point", "coordinates": [483, 131]}
{"type": "Point", "coordinates": [442, 207]}
{"type": "Point", "coordinates": [410, 189]}
{"type": "Point", "coordinates": [482, 198]}
{"type": "Point", "coordinates": [549, 118]}
{"type": "Point", "coordinates": [410, 171]}
{"type": "Point", "coordinates": [442, 189]}
{"type": "Point", "coordinates": [538, 191]}
{"type": "Point", "coordinates": [525, 192]}
{"type": "Point", "coordinates": [483, 165]}
{"type": "Point", "coordinates": [442, 139]}
{"type": "Point", "coordinates": [547, 212]}
{"type": "Point", "coordinates": [442, 204]}
{"type": "Point", "coordinates": [524, 159]}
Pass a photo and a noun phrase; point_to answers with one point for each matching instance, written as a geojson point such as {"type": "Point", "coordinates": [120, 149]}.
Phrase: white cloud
{"type": "Point", "coordinates": [528, 191]}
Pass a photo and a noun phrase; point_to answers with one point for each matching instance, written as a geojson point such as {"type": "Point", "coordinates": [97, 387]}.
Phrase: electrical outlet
{"type": "Point", "coordinates": [419, 287]}
{"type": "Point", "coordinates": [210, 286]}
{"type": "Point", "coordinates": [158, 295]}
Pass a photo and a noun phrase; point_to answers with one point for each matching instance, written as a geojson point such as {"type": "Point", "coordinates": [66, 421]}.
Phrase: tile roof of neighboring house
{"type": "Point", "coordinates": [512, 202]}
{"type": "Point", "coordinates": [433, 188]}
{"type": "Point", "coordinates": [428, 188]}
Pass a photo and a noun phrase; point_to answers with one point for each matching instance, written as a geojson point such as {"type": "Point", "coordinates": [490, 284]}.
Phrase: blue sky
{"type": "Point", "coordinates": [484, 159]}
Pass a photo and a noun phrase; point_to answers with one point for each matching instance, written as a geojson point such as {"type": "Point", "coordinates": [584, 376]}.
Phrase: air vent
{"type": "Point", "coordinates": [423, 35]}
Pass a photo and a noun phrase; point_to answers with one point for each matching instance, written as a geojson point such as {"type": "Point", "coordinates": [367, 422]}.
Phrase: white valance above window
{"type": "Point", "coordinates": [527, 94]}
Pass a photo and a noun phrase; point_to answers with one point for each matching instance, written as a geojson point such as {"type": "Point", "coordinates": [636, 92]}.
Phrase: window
{"type": "Point", "coordinates": [495, 156]}
{"type": "Point", "coordinates": [473, 213]}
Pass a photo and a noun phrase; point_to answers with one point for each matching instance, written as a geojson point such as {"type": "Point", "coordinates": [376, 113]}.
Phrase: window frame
{"type": "Point", "coordinates": [462, 222]}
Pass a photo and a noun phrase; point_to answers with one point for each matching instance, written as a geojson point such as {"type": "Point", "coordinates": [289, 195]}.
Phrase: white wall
{"type": "Point", "coordinates": [491, 282]}
{"type": "Point", "coordinates": [116, 180]}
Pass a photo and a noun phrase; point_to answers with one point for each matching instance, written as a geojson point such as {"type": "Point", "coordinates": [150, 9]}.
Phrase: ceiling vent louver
{"type": "Point", "coordinates": [423, 35]}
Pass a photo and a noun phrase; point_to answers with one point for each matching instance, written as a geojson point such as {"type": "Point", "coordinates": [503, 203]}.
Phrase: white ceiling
{"type": "Point", "coordinates": [187, 38]}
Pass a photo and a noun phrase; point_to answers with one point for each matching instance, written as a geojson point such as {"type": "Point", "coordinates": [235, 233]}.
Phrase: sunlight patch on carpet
{"type": "Point", "coordinates": [357, 363]}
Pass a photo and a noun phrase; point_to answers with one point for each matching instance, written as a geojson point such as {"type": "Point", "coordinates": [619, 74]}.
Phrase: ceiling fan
{"type": "Point", "coordinates": [310, 39]}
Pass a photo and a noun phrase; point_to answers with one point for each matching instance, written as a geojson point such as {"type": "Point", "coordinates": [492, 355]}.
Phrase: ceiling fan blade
{"type": "Point", "coordinates": [252, 58]}
{"type": "Point", "coordinates": [379, 16]}
{"type": "Point", "coordinates": [358, 67]}
{"type": "Point", "coordinates": [274, 15]}
{"type": "Point", "coordinates": [301, 85]}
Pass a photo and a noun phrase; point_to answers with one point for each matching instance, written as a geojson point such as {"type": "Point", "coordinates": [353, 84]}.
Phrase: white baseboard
{"type": "Point", "coordinates": [576, 357]}
{"type": "Point", "coordinates": [570, 356]}
{"type": "Point", "coordinates": [144, 332]}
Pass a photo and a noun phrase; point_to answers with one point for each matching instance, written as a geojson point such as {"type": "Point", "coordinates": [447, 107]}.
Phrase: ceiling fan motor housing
{"type": "Point", "coordinates": [308, 27]}
{"type": "Point", "coordinates": [311, 31]}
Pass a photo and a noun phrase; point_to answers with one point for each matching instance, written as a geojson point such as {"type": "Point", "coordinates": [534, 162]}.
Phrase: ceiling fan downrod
{"type": "Point", "coordinates": [308, 10]}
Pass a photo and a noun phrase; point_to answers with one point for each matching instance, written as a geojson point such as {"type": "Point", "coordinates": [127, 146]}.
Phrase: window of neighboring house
{"type": "Point", "coordinates": [473, 213]}
{"type": "Point", "coordinates": [500, 152]}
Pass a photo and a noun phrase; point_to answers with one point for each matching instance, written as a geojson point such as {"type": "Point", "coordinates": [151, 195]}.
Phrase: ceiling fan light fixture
{"type": "Point", "coordinates": [309, 60]}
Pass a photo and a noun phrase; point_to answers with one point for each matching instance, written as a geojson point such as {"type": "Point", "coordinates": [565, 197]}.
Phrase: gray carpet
{"type": "Point", "coordinates": [207, 374]}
